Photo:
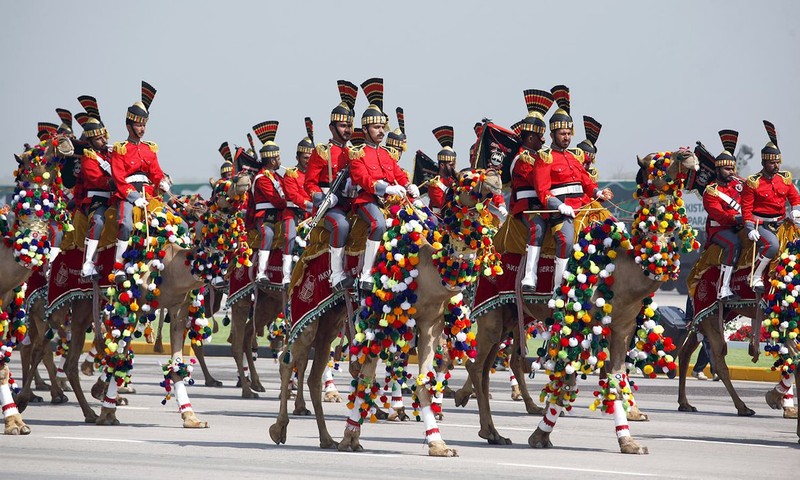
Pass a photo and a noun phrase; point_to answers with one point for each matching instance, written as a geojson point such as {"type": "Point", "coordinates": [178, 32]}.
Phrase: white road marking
{"type": "Point", "coordinates": [91, 439]}
{"type": "Point", "coordinates": [586, 470]}
{"type": "Point", "coordinates": [720, 442]}
{"type": "Point", "coordinates": [515, 429]}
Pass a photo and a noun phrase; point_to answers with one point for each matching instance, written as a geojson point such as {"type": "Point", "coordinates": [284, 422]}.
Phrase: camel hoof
{"type": "Point", "coordinates": [789, 412]}
{"type": "Point", "coordinates": [277, 432]}
{"type": "Point", "coordinates": [211, 382]}
{"type": "Point", "coordinates": [58, 399]}
{"type": "Point", "coordinates": [332, 397]}
{"type": "Point", "coordinates": [127, 389]}
{"type": "Point", "coordinates": [635, 415]}
{"type": "Point", "coordinates": [15, 426]}
{"type": "Point", "coordinates": [98, 390]}
{"type": "Point", "coordinates": [380, 414]}
{"type": "Point", "coordinates": [301, 411]}
{"type": "Point", "coordinates": [462, 397]}
{"type": "Point", "coordinates": [63, 384]}
{"type": "Point", "coordinates": [774, 399]}
{"type": "Point", "coordinates": [516, 393]}
{"type": "Point", "coordinates": [438, 448]}
{"type": "Point", "coordinates": [256, 386]}
{"type": "Point", "coordinates": [494, 438]}
{"type": "Point", "coordinates": [108, 416]}
{"type": "Point", "coordinates": [629, 445]}
{"type": "Point", "coordinates": [540, 439]}
{"type": "Point", "coordinates": [90, 418]}
{"type": "Point", "coordinates": [249, 394]}
{"type": "Point", "coordinates": [87, 368]}
{"type": "Point", "coordinates": [329, 444]}
{"type": "Point", "coordinates": [350, 441]}
{"type": "Point", "coordinates": [747, 412]}
{"type": "Point", "coordinates": [399, 415]}
{"type": "Point", "coordinates": [534, 409]}
{"type": "Point", "coordinates": [190, 420]}
{"type": "Point", "coordinates": [686, 408]}
{"type": "Point", "coordinates": [448, 392]}
{"type": "Point", "coordinates": [122, 401]}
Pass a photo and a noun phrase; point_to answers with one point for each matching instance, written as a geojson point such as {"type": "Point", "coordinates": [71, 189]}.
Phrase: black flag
{"type": "Point", "coordinates": [496, 148]}
{"type": "Point", "coordinates": [706, 174]}
{"type": "Point", "coordinates": [424, 169]}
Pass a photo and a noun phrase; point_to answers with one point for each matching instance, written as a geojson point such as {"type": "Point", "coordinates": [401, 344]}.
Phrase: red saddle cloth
{"type": "Point", "coordinates": [494, 291]}
{"type": "Point", "coordinates": [705, 296]}
{"type": "Point", "coordinates": [241, 281]}
{"type": "Point", "coordinates": [66, 283]}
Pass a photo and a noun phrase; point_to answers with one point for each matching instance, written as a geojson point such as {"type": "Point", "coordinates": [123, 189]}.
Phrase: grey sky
{"type": "Point", "coordinates": [657, 75]}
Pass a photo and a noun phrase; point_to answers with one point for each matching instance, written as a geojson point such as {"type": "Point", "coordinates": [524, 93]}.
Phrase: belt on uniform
{"type": "Point", "coordinates": [765, 219]}
{"type": "Point", "coordinates": [137, 178]}
{"type": "Point", "coordinates": [523, 194]}
{"type": "Point", "coordinates": [292, 205]}
{"type": "Point", "coordinates": [265, 206]}
{"type": "Point", "coordinates": [567, 190]}
{"type": "Point", "coordinates": [98, 193]}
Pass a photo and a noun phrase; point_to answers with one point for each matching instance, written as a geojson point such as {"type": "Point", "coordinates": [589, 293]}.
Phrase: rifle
{"type": "Point", "coordinates": [323, 208]}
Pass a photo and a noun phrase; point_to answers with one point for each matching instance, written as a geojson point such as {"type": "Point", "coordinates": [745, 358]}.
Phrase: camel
{"type": "Point", "coordinates": [631, 286]}
{"type": "Point", "coordinates": [430, 309]}
{"type": "Point", "coordinates": [38, 173]}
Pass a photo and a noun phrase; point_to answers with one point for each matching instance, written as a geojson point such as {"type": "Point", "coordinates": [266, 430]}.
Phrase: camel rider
{"type": "Point", "coordinates": [135, 171]}
{"type": "Point", "coordinates": [57, 230]}
{"type": "Point", "coordinates": [299, 204]}
{"type": "Point", "coordinates": [764, 204]}
{"type": "Point", "coordinates": [446, 158]}
{"type": "Point", "coordinates": [562, 182]}
{"type": "Point", "coordinates": [396, 139]}
{"type": "Point", "coordinates": [268, 197]}
{"type": "Point", "coordinates": [373, 169]}
{"type": "Point", "coordinates": [473, 149]}
{"type": "Point", "coordinates": [722, 200]}
{"type": "Point", "coordinates": [226, 169]}
{"type": "Point", "coordinates": [96, 175]}
{"type": "Point", "coordinates": [323, 167]}
{"type": "Point", "coordinates": [589, 146]}
{"type": "Point", "coordinates": [531, 132]}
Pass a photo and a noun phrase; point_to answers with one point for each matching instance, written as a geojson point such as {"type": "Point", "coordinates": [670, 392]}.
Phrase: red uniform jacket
{"type": "Point", "coordinates": [134, 158]}
{"type": "Point", "coordinates": [558, 171]}
{"type": "Point", "coordinates": [317, 170]}
{"type": "Point", "coordinates": [368, 165]}
{"type": "Point", "coordinates": [96, 174]}
{"type": "Point", "coordinates": [293, 186]}
{"type": "Point", "coordinates": [437, 190]}
{"type": "Point", "coordinates": [767, 197]}
{"type": "Point", "coordinates": [723, 204]}
{"type": "Point", "coordinates": [523, 182]}
{"type": "Point", "coordinates": [268, 193]}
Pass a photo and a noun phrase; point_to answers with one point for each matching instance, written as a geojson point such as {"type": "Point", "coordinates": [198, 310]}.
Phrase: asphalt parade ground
{"type": "Point", "coordinates": [150, 442]}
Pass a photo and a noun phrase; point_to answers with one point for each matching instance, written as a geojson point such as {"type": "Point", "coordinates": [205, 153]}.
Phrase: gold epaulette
{"type": "Point", "coordinates": [88, 152]}
{"type": "Point", "coordinates": [121, 148]}
{"type": "Point", "coordinates": [593, 174]}
{"type": "Point", "coordinates": [752, 180]}
{"type": "Point", "coordinates": [545, 154]}
{"type": "Point", "coordinates": [787, 176]}
{"type": "Point", "coordinates": [393, 152]}
{"type": "Point", "coordinates": [291, 172]}
{"type": "Point", "coordinates": [526, 157]}
{"type": "Point", "coordinates": [324, 151]}
{"type": "Point", "coordinates": [578, 154]}
{"type": "Point", "coordinates": [356, 152]}
{"type": "Point", "coordinates": [152, 145]}
{"type": "Point", "coordinates": [711, 190]}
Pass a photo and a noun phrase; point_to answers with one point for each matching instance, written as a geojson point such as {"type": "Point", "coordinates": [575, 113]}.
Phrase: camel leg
{"type": "Point", "coordinates": [489, 337]}
{"type": "Point", "coordinates": [427, 341]}
{"type": "Point", "coordinates": [34, 353]}
{"type": "Point", "coordinates": [684, 356]}
{"type": "Point", "coordinates": [776, 398]}
{"type": "Point", "coordinates": [325, 335]}
{"type": "Point", "coordinates": [239, 342]}
{"type": "Point", "coordinates": [618, 351]}
{"type": "Point", "coordinates": [252, 354]}
{"type": "Point", "coordinates": [518, 375]}
{"type": "Point", "coordinates": [87, 366]}
{"type": "Point", "coordinates": [718, 350]}
{"type": "Point", "coordinates": [352, 430]}
{"type": "Point", "coordinates": [540, 438]}
{"type": "Point", "coordinates": [81, 319]}
{"type": "Point", "coordinates": [13, 420]}
{"type": "Point", "coordinates": [201, 359]}
{"type": "Point", "coordinates": [301, 362]}
{"type": "Point", "coordinates": [277, 431]}
{"type": "Point", "coordinates": [467, 391]}
{"type": "Point", "coordinates": [399, 408]}
{"type": "Point", "coordinates": [331, 392]}
{"type": "Point", "coordinates": [789, 408]}
{"type": "Point", "coordinates": [108, 409]}
{"type": "Point", "coordinates": [177, 336]}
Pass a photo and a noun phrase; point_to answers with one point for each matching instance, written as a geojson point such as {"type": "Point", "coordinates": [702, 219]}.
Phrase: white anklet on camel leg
{"type": "Point", "coordinates": [110, 398]}
{"type": "Point", "coordinates": [621, 420]}
{"type": "Point", "coordinates": [7, 401]}
{"type": "Point", "coordinates": [182, 396]}
{"type": "Point", "coordinates": [513, 379]}
{"type": "Point", "coordinates": [788, 398]}
{"type": "Point", "coordinates": [784, 386]}
{"type": "Point", "coordinates": [327, 377]}
{"type": "Point", "coordinates": [431, 427]}
{"type": "Point", "coordinates": [397, 396]}
{"type": "Point", "coordinates": [551, 414]}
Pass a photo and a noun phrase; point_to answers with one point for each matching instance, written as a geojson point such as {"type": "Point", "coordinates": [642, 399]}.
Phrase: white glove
{"type": "Point", "coordinates": [753, 235]}
{"type": "Point", "coordinates": [503, 210]}
{"type": "Point", "coordinates": [395, 190]}
{"type": "Point", "coordinates": [334, 200]}
{"type": "Point", "coordinates": [140, 202]}
{"type": "Point", "coordinates": [164, 185]}
{"type": "Point", "coordinates": [413, 190]}
{"type": "Point", "coordinates": [566, 210]}
{"type": "Point", "coordinates": [418, 203]}
{"type": "Point", "coordinates": [796, 217]}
